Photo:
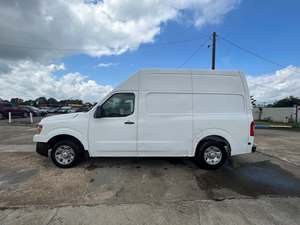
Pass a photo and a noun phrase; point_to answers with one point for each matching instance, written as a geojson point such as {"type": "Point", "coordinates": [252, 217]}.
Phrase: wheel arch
{"type": "Point", "coordinates": [217, 138]}
{"type": "Point", "coordinates": [61, 137]}
{"type": "Point", "coordinates": [80, 136]}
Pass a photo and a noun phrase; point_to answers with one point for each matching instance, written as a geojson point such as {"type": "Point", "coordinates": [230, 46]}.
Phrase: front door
{"type": "Point", "coordinates": [113, 129]}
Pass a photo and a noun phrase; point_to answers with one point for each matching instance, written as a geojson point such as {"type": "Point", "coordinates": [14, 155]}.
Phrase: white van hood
{"type": "Point", "coordinates": [73, 124]}
{"type": "Point", "coordinates": [61, 117]}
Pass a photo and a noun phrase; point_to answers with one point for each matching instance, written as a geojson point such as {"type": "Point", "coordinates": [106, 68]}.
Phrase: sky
{"type": "Point", "coordinates": [83, 48]}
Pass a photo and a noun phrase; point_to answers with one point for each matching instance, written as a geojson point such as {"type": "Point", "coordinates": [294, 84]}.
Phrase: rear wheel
{"type": "Point", "coordinates": [211, 155]}
{"type": "Point", "coordinates": [65, 154]}
{"type": "Point", "coordinates": [1, 116]}
{"type": "Point", "coordinates": [25, 115]}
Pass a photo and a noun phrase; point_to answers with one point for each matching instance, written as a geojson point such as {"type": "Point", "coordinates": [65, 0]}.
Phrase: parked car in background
{"type": "Point", "coordinates": [6, 107]}
{"type": "Point", "coordinates": [66, 109]}
{"type": "Point", "coordinates": [52, 109]}
{"type": "Point", "coordinates": [84, 108]}
{"type": "Point", "coordinates": [43, 111]}
{"type": "Point", "coordinates": [73, 110]}
{"type": "Point", "coordinates": [35, 111]}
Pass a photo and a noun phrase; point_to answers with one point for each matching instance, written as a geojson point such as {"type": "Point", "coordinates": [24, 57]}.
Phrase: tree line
{"type": "Point", "coordinates": [47, 102]}
{"type": "Point", "coordinates": [286, 102]}
{"type": "Point", "coordinates": [52, 102]}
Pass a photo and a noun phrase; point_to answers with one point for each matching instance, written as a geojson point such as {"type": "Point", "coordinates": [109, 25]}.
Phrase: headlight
{"type": "Point", "coordinates": [39, 128]}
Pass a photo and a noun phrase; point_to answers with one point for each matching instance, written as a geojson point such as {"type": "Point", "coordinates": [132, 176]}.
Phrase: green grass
{"type": "Point", "coordinates": [296, 125]}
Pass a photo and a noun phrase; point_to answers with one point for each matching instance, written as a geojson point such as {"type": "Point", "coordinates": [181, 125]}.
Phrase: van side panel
{"type": "Point", "coordinates": [210, 83]}
{"type": "Point", "coordinates": [165, 118]}
{"type": "Point", "coordinates": [220, 106]}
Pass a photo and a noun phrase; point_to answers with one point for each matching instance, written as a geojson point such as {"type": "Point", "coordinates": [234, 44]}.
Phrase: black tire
{"type": "Point", "coordinates": [25, 115]}
{"type": "Point", "coordinates": [2, 116]}
{"type": "Point", "coordinates": [207, 146]}
{"type": "Point", "coordinates": [77, 153]}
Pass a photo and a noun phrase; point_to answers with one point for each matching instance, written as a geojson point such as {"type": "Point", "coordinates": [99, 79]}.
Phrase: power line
{"type": "Point", "coordinates": [175, 42]}
{"type": "Point", "coordinates": [42, 48]}
{"type": "Point", "coordinates": [257, 55]}
{"type": "Point", "coordinates": [251, 52]}
{"type": "Point", "coordinates": [194, 53]}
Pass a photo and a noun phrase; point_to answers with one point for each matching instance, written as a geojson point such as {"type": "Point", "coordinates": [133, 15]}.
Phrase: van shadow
{"type": "Point", "coordinates": [137, 162]}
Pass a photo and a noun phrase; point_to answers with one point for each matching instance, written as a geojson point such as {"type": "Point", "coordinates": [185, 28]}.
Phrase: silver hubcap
{"type": "Point", "coordinates": [64, 154]}
{"type": "Point", "coordinates": [212, 155]}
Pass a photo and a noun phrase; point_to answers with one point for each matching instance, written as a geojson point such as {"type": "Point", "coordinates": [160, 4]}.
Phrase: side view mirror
{"type": "Point", "coordinates": [98, 112]}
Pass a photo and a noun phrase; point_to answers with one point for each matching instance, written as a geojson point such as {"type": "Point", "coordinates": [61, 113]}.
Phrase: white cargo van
{"type": "Point", "coordinates": [164, 113]}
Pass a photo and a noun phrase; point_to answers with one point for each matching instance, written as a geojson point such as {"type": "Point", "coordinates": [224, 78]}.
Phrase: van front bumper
{"type": "Point", "coordinates": [42, 148]}
{"type": "Point", "coordinates": [39, 138]}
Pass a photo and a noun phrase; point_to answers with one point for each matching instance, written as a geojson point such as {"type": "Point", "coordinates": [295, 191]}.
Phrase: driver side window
{"type": "Point", "coordinates": [118, 105]}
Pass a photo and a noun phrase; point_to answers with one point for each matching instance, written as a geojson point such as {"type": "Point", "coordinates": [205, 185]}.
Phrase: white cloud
{"type": "Point", "coordinates": [102, 28]}
{"type": "Point", "coordinates": [29, 80]}
{"type": "Point", "coordinates": [271, 87]}
{"type": "Point", "coordinates": [106, 64]}
{"type": "Point", "coordinates": [95, 28]}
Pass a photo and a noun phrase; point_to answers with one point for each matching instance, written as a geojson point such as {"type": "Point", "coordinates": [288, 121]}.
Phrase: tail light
{"type": "Point", "coordinates": [252, 127]}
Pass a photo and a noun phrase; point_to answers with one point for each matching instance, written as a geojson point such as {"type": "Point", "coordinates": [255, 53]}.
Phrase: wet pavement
{"type": "Point", "coordinates": [253, 180]}
{"type": "Point", "coordinates": [28, 179]}
{"type": "Point", "coordinates": [259, 188]}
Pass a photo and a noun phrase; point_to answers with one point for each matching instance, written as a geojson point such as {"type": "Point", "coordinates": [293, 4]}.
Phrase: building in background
{"type": "Point", "coordinates": [277, 114]}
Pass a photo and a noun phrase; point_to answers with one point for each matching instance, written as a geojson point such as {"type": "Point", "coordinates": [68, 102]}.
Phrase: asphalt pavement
{"type": "Point", "coordinates": [259, 188]}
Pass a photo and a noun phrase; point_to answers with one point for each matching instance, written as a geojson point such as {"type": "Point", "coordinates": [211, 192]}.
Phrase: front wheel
{"type": "Point", "coordinates": [65, 154]}
{"type": "Point", "coordinates": [211, 155]}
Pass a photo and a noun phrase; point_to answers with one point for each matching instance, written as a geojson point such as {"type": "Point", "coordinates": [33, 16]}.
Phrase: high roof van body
{"type": "Point", "coordinates": [164, 113]}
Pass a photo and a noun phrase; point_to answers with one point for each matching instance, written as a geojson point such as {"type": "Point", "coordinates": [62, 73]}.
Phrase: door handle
{"type": "Point", "coordinates": [129, 122]}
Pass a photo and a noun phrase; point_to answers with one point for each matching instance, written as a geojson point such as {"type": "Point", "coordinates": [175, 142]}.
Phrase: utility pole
{"type": "Point", "coordinates": [213, 51]}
